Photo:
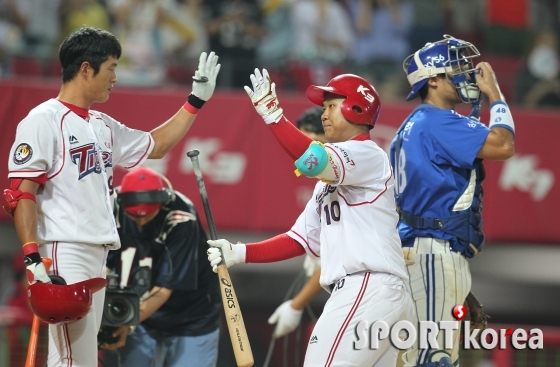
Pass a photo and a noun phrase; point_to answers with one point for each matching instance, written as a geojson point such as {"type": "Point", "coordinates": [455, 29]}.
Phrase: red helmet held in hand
{"type": "Point", "coordinates": [61, 303]}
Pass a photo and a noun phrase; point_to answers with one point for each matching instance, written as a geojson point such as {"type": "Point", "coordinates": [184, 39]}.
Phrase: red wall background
{"type": "Point", "coordinates": [250, 180]}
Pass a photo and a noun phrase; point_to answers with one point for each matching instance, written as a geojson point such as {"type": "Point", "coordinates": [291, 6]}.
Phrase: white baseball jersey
{"type": "Point", "coordinates": [74, 205]}
{"type": "Point", "coordinates": [351, 224]}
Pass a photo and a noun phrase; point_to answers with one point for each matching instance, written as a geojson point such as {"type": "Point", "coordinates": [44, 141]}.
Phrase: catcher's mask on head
{"type": "Point", "coordinates": [362, 103]}
{"type": "Point", "coordinates": [61, 303]}
{"type": "Point", "coordinates": [450, 56]}
{"type": "Point", "coordinates": [142, 192]}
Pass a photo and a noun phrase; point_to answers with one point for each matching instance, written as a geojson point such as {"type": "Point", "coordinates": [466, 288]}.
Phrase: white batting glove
{"type": "Point", "coordinates": [204, 79]}
{"type": "Point", "coordinates": [35, 269]}
{"type": "Point", "coordinates": [286, 319]}
{"type": "Point", "coordinates": [263, 96]}
{"type": "Point", "coordinates": [232, 254]}
{"type": "Point", "coordinates": [310, 265]}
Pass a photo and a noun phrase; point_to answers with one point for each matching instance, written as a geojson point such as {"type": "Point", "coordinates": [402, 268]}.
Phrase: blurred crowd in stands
{"type": "Point", "coordinates": [299, 41]}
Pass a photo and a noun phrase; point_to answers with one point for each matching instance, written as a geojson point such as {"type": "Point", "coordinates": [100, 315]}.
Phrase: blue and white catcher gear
{"type": "Point", "coordinates": [450, 56]}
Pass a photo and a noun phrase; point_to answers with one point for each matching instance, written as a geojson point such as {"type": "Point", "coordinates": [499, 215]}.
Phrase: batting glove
{"type": "Point", "coordinates": [232, 254]}
{"type": "Point", "coordinates": [310, 265]}
{"type": "Point", "coordinates": [204, 79]}
{"type": "Point", "coordinates": [263, 96]}
{"type": "Point", "coordinates": [286, 319]}
{"type": "Point", "coordinates": [36, 271]}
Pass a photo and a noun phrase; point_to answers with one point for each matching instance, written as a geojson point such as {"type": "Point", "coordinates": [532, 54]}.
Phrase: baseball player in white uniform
{"type": "Point", "coordinates": [349, 223]}
{"type": "Point", "coordinates": [61, 172]}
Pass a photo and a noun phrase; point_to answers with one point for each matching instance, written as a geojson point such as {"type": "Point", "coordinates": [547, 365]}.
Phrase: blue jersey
{"type": "Point", "coordinates": [438, 176]}
{"type": "Point", "coordinates": [173, 245]}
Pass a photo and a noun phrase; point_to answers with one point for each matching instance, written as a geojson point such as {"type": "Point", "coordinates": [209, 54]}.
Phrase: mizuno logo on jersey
{"type": "Point", "coordinates": [85, 157]}
{"type": "Point", "coordinates": [314, 339]}
{"type": "Point", "coordinates": [73, 139]}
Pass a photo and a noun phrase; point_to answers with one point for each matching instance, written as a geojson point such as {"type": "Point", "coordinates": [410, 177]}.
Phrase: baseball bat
{"type": "Point", "coordinates": [234, 318]}
{"type": "Point", "coordinates": [34, 336]}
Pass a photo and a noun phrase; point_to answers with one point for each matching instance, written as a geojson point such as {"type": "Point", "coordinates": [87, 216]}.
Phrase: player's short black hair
{"type": "Point", "coordinates": [89, 44]}
{"type": "Point", "coordinates": [423, 92]}
{"type": "Point", "coordinates": [310, 120]}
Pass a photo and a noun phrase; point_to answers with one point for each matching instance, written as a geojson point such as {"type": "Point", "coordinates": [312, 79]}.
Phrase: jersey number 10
{"type": "Point", "coordinates": [333, 212]}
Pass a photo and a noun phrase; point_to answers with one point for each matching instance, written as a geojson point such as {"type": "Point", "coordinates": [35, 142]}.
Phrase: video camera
{"type": "Point", "coordinates": [122, 305]}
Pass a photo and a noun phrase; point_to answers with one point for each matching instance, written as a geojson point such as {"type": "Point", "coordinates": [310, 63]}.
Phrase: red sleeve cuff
{"type": "Point", "coordinates": [294, 142]}
{"type": "Point", "coordinates": [281, 247]}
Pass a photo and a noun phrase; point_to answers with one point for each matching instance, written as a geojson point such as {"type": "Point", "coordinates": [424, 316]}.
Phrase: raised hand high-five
{"type": "Point", "coordinates": [263, 96]}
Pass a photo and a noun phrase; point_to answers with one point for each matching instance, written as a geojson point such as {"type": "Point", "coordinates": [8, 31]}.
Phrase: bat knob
{"type": "Point", "coordinates": [193, 153]}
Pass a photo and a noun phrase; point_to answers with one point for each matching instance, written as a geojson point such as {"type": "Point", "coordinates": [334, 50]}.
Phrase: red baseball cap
{"type": "Point", "coordinates": [141, 179]}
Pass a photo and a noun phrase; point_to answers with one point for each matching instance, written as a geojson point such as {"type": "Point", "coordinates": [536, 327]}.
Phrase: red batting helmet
{"type": "Point", "coordinates": [362, 102]}
{"type": "Point", "coordinates": [60, 303]}
{"type": "Point", "coordinates": [142, 180]}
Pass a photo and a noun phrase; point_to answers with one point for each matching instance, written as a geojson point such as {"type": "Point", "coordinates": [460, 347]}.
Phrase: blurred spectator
{"type": "Point", "coordinates": [323, 32]}
{"type": "Point", "coordinates": [538, 83]}
{"type": "Point", "coordinates": [382, 30]}
{"type": "Point", "coordinates": [184, 35]}
{"type": "Point", "coordinates": [12, 25]}
{"type": "Point", "coordinates": [235, 30]}
{"type": "Point", "coordinates": [430, 18]}
{"type": "Point", "coordinates": [77, 13]}
{"type": "Point", "coordinates": [41, 27]}
{"type": "Point", "coordinates": [137, 26]}
{"type": "Point", "coordinates": [508, 27]}
{"type": "Point", "coordinates": [274, 50]}
{"type": "Point", "coordinates": [467, 20]}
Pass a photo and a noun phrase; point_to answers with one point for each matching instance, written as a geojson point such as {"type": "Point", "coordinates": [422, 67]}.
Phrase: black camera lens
{"type": "Point", "coordinates": [120, 310]}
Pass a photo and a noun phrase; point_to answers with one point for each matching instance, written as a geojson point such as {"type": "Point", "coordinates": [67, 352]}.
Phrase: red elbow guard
{"type": "Point", "coordinates": [13, 195]}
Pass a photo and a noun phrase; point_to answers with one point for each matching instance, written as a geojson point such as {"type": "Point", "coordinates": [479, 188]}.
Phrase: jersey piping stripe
{"type": "Point", "coordinates": [145, 153]}
{"type": "Point", "coordinates": [27, 171]}
{"type": "Point", "coordinates": [68, 344]}
{"type": "Point", "coordinates": [304, 241]}
{"type": "Point", "coordinates": [430, 300]}
{"type": "Point", "coordinates": [54, 258]}
{"type": "Point", "coordinates": [342, 329]}
{"type": "Point", "coordinates": [341, 164]}
{"type": "Point", "coordinates": [108, 127]}
{"type": "Point", "coordinates": [365, 202]}
{"type": "Point", "coordinates": [63, 146]}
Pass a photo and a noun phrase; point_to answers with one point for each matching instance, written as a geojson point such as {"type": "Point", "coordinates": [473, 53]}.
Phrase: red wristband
{"type": "Point", "coordinates": [190, 108]}
{"type": "Point", "coordinates": [30, 247]}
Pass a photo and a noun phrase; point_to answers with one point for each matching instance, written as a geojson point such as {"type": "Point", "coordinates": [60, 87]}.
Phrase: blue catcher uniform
{"type": "Point", "coordinates": [184, 330]}
{"type": "Point", "coordinates": [438, 189]}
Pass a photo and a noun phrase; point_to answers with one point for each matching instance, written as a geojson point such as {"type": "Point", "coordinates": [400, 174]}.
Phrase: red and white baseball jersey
{"type": "Point", "coordinates": [74, 205]}
{"type": "Point", "coordinates": [351, 224]}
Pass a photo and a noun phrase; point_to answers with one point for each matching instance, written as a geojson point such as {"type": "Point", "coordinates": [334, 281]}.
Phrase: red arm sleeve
{"type": "Point", "coordinates": [281, 247]}
{"type": "Point", "coordinates": [294, 142]}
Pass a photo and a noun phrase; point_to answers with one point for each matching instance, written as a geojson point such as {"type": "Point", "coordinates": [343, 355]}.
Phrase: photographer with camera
{"type": "Point", "coordinates": [177, 318]}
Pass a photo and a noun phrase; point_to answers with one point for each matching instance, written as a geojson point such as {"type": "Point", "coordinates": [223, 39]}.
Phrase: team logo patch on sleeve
{"type": "Point", "coordinates": [23, 153]}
